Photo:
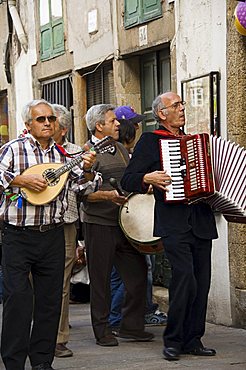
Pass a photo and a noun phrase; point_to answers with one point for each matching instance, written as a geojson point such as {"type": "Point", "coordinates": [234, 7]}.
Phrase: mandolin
{"type": "Point", "coordinates": [56, 174]}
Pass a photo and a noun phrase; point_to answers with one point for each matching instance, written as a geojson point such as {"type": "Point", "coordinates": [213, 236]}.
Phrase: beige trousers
{"type": "Point", "coordinates": [70, 242]}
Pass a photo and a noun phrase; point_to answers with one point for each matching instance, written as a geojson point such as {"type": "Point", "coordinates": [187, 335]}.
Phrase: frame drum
{"type": "Point", "coordinates": [136, 219]}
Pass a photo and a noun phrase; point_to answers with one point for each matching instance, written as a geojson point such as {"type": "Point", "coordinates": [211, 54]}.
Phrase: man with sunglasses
{"type": "Point", "coordinates": [186, 231]}
{"type": "Point", "coordinates": [33, 241]}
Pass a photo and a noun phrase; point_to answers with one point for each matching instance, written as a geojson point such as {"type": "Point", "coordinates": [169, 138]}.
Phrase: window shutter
{"type": "Point", "coordinates": [100, 86]}
{"type": "Point", "coordinates": [46, 42]}
{"type": "Point", "coordinates": [132, 13]}
{"type": "Point", "coordinates": [148, 88]}
{"type": "Point", "coordinates": [58, 37]}
{"type": "Point", "coordinates": [165, 71]}
{"type": "Point", "coordinates": [108, 83]}
{"type": "Point", "coordinates": [151, 9]}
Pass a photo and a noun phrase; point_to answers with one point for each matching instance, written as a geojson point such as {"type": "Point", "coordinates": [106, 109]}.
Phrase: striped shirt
{"type": "Point", "coordinates": [71, 214]}
{"type": "Point", "coordinates": [18, 155]}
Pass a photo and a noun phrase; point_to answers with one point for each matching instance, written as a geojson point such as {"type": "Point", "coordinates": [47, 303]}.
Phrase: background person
{"type": "Point", "coordinates": [62, 127]}
{"type": "Point", "coordinates": [186, 231]}
{"type": "Point", "coordinates": [153, 316]}
{"type": "Point", "coordinates": [33, 242]}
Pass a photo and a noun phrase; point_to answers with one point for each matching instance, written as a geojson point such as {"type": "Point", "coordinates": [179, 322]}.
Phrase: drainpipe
{"type": "Point", "coordinates": [18, 25]}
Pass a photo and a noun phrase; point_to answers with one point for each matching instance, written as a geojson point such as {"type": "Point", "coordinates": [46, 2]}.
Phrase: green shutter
{"type": "Point", "coordinates": [58, 37]}
{"type": "Point", "coordinates": [151, 9]}
{"type": "Point", "coordinates": [148, 88]}
{"type": "Point", "coordinates": [46, 41]}
{"type": "Point", "coordinates": [140, 11]}
{"type": "Point", "coordinates": [132, 13]}
{"type": "Point", "coordinates": [52, 36]}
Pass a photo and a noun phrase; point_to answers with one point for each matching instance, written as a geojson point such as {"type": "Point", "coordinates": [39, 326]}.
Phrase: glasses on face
{"type": "Point", "coordinates": [42, 119]}
{"type": "Point", "coordinates": [176, 105]}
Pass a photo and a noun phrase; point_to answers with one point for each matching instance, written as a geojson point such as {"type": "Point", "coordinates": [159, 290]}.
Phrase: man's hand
{"type": "Point", "coordinates": [159, 179]}
{"type": "Point", "coordinates": [33, 182]}
{"type": "Point", "coordinates": [116, 198]}
{"type": "Point", "coordinates": [89, 159]}
{"type": "Point", "coordinates": [110, 195]}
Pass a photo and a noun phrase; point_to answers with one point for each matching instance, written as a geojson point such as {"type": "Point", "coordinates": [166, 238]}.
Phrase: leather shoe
{"type": "Point", "coordinates": [138, 336]}
{"type": "Point", "coordinates": [107, 341]}
{"type": "Point", "coordinates": [43, 366]}
{"type": "Point", "coordinates": [171, 353]}
{"type": "Point", "coordinates": [201, 351]}
{"type": "Point", "coordinates": [62, 351]}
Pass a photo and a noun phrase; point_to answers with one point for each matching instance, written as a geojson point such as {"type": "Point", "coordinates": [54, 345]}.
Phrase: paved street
{"type": "Point", "coordinates": [230, 344]}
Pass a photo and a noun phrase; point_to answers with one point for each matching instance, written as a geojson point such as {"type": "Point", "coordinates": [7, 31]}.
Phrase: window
{"type": "Point", "coordinates": [100, 86]}
{"type": "Point", "coordinates": [59, 91]}
{"type": "Point", "coordinates": [51, 28]}
{"type": "Point", "coordinates": [155, 79]}
{"type": "Point", "coordinates": [141, 11]}
{"type": "Point", "coordinates": [196, 96]}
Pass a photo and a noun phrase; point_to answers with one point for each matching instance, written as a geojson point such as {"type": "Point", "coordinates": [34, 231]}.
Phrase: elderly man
{"type": "Point", "coordinates": [186, 230]}
{"type": "Point", "coordinates": [105, 242]}
{"type": "Point", "coordinates": [33, 241]}
{"type": "Point", "coordinates": [62, 127]}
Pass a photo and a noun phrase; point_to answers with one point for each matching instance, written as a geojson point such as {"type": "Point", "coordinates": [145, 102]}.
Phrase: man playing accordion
{"type": "Point", "coordinates": [186, 231]}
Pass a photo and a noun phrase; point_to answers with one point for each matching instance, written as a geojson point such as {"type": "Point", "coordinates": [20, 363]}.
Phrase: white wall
{"type": "Point", "coordinates": [23, 66]}
{"type": "Point", "coordinates": [98, 45]}
{"type": "Point", "coordinates": [200, 42]}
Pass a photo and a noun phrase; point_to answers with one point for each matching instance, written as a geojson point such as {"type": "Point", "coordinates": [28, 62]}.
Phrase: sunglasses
{"type": "Point", "coordinates": [42, 119]}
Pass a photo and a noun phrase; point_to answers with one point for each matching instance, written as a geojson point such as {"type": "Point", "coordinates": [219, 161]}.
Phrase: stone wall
{"type": "Point", "coordinates": [236, 131]}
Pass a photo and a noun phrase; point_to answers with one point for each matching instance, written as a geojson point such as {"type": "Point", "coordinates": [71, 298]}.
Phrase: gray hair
{"type": "Point", "coordinates": [96, 114]}
{"type": "Point", "coordinates": [156, 106]}
{"type": "Point", "coordinates": [64, 116]}
{"type": "Point", "coordinates": [26, 111]}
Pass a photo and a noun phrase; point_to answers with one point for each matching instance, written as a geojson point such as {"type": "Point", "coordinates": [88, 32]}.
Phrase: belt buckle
{"type": "Point", "coordinates": [43, 228]}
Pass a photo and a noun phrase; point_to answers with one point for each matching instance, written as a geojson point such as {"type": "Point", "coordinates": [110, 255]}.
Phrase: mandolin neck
{"type": "Point", "coordinates": [68, 166]}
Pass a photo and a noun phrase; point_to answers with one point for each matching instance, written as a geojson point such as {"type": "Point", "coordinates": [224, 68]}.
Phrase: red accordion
{"type": "Point", "coordinates": [205, 167]}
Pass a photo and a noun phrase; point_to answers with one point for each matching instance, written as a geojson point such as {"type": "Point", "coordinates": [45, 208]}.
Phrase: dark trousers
{"type": "Point", "coordinates": [41, 255]}
{"type": "Point", "coordinates": [190, 259]}
{"type": "Point", "coordinates": [107, 246]}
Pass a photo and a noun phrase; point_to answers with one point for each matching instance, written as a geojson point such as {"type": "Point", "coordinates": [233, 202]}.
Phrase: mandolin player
{"type": "Point", "coordinates": [33, 240]}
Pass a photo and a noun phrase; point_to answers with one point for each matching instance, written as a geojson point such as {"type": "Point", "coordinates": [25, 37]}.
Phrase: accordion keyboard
{"type": "Point", "coordinates": [171, 158]}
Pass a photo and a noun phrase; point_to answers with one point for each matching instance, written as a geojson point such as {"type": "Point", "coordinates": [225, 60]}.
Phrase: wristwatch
{"type": "Point", "coordinates": [90, 170]}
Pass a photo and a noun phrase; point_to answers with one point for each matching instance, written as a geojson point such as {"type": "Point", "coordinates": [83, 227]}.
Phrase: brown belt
{"type": "Point", "coordinates": [41, 228]}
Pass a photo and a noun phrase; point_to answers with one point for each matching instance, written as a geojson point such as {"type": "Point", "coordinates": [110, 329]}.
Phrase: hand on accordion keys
{"type": "Point", "coordinates": [159, 179]}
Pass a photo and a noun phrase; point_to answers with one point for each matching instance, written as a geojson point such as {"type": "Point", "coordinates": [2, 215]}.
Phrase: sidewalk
{"type": "Point", "coordinates": [230, 344]}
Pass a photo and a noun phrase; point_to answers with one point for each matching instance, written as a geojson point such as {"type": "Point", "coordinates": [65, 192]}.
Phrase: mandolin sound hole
{"type": "Point", "coordinates": [50, 176]}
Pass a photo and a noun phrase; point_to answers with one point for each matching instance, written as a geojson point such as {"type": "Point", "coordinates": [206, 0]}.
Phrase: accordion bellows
{"type": "Point", "coordinates": [206, 167]}
{"type": "Point", "coordinates": [229, 166]}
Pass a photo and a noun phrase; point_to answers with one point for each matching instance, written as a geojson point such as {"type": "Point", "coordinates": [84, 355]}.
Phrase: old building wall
{"type": "Point", "coordinates": [6, 63]}
{"type": "Point", "coordinates": [90, 31]}
{"type": "Point", "coordinates": [236, 129]}
{"type": "Point", "coordinates": [158, 31]}
{"type": "Point", "coordinates": [200, 33]}
{"type": "Point", "coordinates": [3, 41]}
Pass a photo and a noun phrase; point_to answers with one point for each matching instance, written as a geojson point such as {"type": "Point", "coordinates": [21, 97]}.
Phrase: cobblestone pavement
{"type": "Point", "coordinates": [230, 344]}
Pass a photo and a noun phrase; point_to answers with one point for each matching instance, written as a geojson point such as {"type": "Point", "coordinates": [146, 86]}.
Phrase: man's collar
{"type": "Point", "coordinates": [36, 143]}
{"type": "Point", "coordinates": [65, 142]}
{"type": "Point", "coordinates": [162, 127]}
{"type": "Point", "coordinates": [94, 139]}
